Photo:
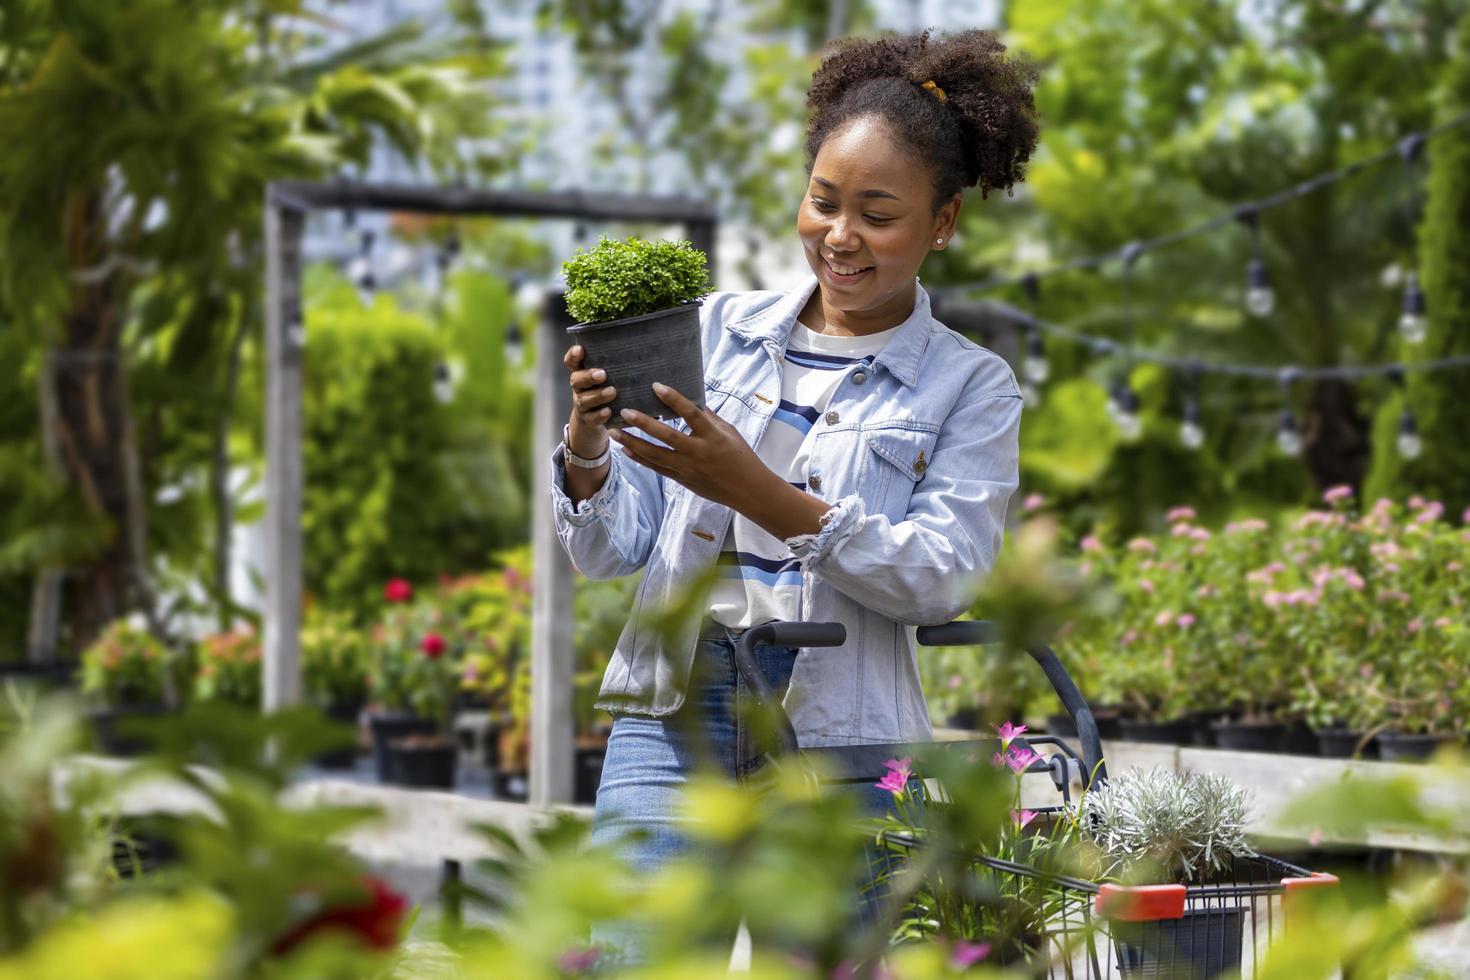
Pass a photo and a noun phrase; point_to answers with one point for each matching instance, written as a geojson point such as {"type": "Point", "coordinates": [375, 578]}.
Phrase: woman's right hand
{"type": "Point", "coordinates": [591, 394]}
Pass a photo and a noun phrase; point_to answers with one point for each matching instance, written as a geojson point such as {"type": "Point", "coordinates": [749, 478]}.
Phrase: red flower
{"type": "Point", "coordinates": [398, 590]}
{"type": "Point", "coordinates": [433, 645]}
{"type": "Point", "coordinates": [375, 919]}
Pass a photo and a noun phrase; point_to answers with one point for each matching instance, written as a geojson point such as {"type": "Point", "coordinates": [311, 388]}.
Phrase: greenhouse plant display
{"type": "Point", "coordinates": [123, 677]}
{"type": "Point", "coordinates": [229, 668]}
{"type": "Point", "coordinates": [394, 644]}
{"type": "Point", "coordinates": [636, 304]}
{"type": "Point", "coordinates": [334, 674]}
{"type": "Point", "coordinates": [431, 677]}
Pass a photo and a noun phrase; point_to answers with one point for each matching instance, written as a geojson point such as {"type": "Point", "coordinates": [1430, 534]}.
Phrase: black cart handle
{"type": "Point", "coordinates": [960, 633]}
{"type": "Point", "coordinates": [797, 634]}
{"type": "Point", "coordinates": [981, 632]}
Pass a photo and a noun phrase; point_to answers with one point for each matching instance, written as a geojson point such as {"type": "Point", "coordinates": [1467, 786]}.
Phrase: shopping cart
{"type": "Point", "coordinates": [1094, 930]}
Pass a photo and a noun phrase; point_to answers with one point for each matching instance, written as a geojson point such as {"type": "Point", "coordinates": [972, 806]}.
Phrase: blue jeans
{"type": "Point", "coordinates": [649, 761]}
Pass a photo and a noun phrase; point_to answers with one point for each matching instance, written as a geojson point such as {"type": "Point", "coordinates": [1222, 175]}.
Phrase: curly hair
{"type": "Point", "coordinates": [982, 131]}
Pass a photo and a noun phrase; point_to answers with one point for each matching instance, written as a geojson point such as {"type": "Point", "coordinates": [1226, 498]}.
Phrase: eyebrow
{"type": "Point", "coordinates": [868, 193]}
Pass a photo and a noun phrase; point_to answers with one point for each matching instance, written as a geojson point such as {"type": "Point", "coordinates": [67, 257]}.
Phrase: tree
{"type": "Point", "coordinates": [139, 141]}
{"type": "Point", "coordinates": [1438, 400]}
{"type": "Point", "coordinates": [1159, 114]}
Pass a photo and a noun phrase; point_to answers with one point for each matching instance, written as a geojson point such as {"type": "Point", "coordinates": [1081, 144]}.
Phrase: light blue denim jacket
{"type": "Point", "coordinates": [917, 456]}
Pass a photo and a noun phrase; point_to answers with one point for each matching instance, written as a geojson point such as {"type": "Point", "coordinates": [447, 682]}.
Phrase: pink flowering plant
{"type": "Point", "coordinates": [981, 916]}
{"type": "Point", "coordinates": [229, 668]}
{"type": "Point", "coordinates": [124, 666]}
{"type": "Point", "coordinates": [414, 652]}
{"type": "Point", "coordinates": [1339, 617]}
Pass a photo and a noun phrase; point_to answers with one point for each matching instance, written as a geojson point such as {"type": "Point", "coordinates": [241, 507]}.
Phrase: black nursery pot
{"type": "Point", "coordinates": [1176, 732]}
{"type": "Point", "coordinates": [343, 713]}
{"type": "Point", "coordinates": [1250, 736]}
{"type": "Point", "coordinates": [1204, 943]}
{"type": "Point", "coordinates": [428, 764]}
{"type": "Point", "coordinates": [110, 727]}
{"type": "Point", "coordinates": [589, 773]}
{"type": "Point", "coordinates": [1403, 747]}
{"type": "Point", "coordinates": [637, 351]}
{"type": "Point", "coordinates": [389, 727]}
{"type": "Point", "coordinates": [1342, 743]}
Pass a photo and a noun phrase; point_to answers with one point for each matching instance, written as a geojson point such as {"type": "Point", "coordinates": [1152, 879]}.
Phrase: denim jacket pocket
{"type": "Point", "coordinates": [904, 453]}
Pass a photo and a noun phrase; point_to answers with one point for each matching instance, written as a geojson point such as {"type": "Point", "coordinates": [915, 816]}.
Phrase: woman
{"type": "Point", "coordinates": [853, 460]}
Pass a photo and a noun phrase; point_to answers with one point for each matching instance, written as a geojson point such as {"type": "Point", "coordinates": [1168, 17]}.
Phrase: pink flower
{"type": "Point", "coordinates": [1092, 545]}
{"type": "Point", "coordinates": [1186, 621]}
{"type": "Point", "coordinates": [1128, 638]}
{"type": "Point", "coordinates": [1205, 591]}
{"type": "Point", "coordinates": [398, 590]}
{"type": "Point", "coordinates": [1164, 618]}
{"type": "Point", "coordinates": [432, 646]}
{"type": "Point", "coordinates": [1453, 567]}
{"type": "Point", "coordinates": [1034, 501]}
{"type": "Point", "coordinates": [1465, 517]}
{"type": "Point", "coordinates": [1179, 531]}
{"type": "Point", "coordinates": [1415, 625]}
{"type": "Point", "coordinates": [1180, 514]}
{"type": "Point", "coordinates": [575, 960]}
{"type": "Point", "coordinates": [1019, 758]}
{"type": "Point", "coordinates": [1416, 501]}
{"type": "Point", "coordinates": [896, 779]}
{"type": "Point", "coordinates": [1315, 837]}
{"type": "Point", "coordinates": [1142, 544]}
{"type": "Point", "coordinates": [1337, 494]}
{"type": "Point", "coordinates": [955, 680]}
{"type": "Point", "coordinates": [964, 955]}
{"type": "Point", "coordinates": [1443, 623]}
{"type": "Point", "coordinates": [1008, 733]}
{"type": "Point", "coordinates": [1199, 534]}
{"type": "Point", "coordinates": [1145, 585]}
{"type": "Point", "coordinates": [1022, 817]}
{"type": "Point", "coordinates": [1273, 599]}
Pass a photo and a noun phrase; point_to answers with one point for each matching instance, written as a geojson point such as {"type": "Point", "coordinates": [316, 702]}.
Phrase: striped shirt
{"type": "Point", "coordinates": [759, 579]}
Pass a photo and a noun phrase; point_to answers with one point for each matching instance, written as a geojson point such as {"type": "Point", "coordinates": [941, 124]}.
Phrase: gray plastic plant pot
{"type": "Point", "coordinates": [637, 351]}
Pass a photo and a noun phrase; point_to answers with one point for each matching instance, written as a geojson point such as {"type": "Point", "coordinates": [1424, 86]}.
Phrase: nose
{"type": "Point", "coordinates": [840, 237]}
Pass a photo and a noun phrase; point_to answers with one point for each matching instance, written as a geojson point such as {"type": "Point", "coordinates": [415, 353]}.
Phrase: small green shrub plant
{"type": "Point", "coordinates": [334, 659]}
{"type": "Point", "coordinates": [619, 279]}
{"type": "Point", "coordinates": [229, 668]}
{"type": "Point", "coordinates": [125, 666]}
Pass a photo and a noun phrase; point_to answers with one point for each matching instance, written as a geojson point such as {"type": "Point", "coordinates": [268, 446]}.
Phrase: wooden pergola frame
{"type": "Point", "coordinates": [287, 205]}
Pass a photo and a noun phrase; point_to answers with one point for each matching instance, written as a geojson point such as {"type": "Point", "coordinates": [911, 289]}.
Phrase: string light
{"type": "Point", "coordinates": [361, 268]}
{"type": "Point", "coordinates": [1035, 367]}
{"type": "Point", "coordinates": [1408, 442]}
{"type": "Point", "coordinates": [1123, 407]}
{"type": "Point", "coordinates": [1260, 298]}
{"type": "Point", "coordinates": [1191, 432]}
{"type": "Point", "coordinates": [1288, 435]}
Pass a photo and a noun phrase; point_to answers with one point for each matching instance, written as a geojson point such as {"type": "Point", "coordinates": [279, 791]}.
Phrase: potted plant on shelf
{"type": "Point", "coordinates": [636, 304]}
{"type": "Point", "coordinates": [229, 668]}
{"type": "Point", "coordinates": [431, 678]}
{"type": "Point", "coordinates": [123, 676]}
{"type": "Point", "coordinates": [393, 647]}
{"type": "Point", "coordinates": [334, 675]}
{"type": "Point", "coordinates": [1156, 826]}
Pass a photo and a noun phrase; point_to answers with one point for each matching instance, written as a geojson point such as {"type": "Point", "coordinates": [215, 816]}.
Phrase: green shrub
{"type": "Point", "coordinates": [621, 279]}
{"type": "Point", "coordinates": [124, 666]}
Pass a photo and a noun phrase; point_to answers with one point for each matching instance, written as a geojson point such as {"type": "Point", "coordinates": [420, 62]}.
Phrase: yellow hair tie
{"type": "Point", "coordinates": [936, 90]}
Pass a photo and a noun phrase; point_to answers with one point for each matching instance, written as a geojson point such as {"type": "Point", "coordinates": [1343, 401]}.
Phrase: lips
{"type": "Point", "coordinates": [845, 278]}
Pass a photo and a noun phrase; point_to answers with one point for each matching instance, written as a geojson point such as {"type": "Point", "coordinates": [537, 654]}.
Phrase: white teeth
{"type": "Point", "coordinates": [842, 270]}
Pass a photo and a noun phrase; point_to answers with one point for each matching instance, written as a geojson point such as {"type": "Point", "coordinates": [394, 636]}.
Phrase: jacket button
{"type": "Point", "coordinates": [814, 482]}
{"type": "Point", "coordinates": [858, 377]}
{"type": "Point", "coordinates": [833, 418]}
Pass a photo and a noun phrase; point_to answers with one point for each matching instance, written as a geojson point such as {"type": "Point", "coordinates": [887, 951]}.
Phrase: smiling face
{"type": "Point", "coordinates": [866, 224]}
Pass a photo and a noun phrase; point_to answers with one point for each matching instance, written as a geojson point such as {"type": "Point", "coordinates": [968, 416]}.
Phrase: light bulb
{"type": "Point", "coordinates": [1191, 435]}
{"type": "Point", "coordinates": [1260, 299]}
{"type": "Point", "coordinates": [1288, 438]}
{"type": "Point", "coordinates": [1413, 326]}
{"type": "Point", "coordinates": [443, 383]}
{"type": "Point", "coordinates": [1130, 426]}
{"type": "Point", "coordinates": [1030, 395]}
{"type": "Point", "coordinates": [1410, 445]}
{"type": "Point", "coordinates": [1035, 366]}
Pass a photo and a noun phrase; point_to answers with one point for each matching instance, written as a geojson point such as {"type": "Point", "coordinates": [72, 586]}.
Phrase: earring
{"type": "Point", "coordinates": [938, 241]}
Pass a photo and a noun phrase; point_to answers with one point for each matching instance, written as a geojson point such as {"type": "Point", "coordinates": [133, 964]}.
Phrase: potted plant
{"type": "Point", "coordinates": [431, 676]}
{"type": "Point", "coordinates": [334, 675]}
{"type": "Point", "coordinates": [1156, 826]}
{"type": "Point", "coordinates": [393, 646]}
{"type": "Point", "coordinates": [123, 675]}
{"type": "Point", "coordinates": [229, 668]}
{"type": "Point", "coordinates": [636, 304]}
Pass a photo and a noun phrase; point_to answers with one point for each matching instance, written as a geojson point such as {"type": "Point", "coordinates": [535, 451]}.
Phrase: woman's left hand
{"type": "Point", "coordinates": [711, 459]}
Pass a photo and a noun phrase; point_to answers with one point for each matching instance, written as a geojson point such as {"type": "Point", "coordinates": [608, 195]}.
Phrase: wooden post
{"type": "Point", "coordinates": [284, 345]}
{"type": "Point", "coordinates": [552, 620]}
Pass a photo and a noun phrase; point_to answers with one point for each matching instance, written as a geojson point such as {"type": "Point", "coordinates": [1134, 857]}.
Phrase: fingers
{"type": "Point", "coordinates": [642, 451]}
{"type": "Point", "coordinates": [687, 410]}
{"type": "Point", "coordinates": [663, 433]}
{"type": "Point", "coordinates": [590, 393]}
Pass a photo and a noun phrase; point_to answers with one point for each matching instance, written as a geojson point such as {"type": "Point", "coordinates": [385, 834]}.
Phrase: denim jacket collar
{"type": "Point", "coordinates": [901, 357]}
